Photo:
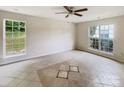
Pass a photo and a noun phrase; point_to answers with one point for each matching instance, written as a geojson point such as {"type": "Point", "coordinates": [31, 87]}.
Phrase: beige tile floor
{"type": "Point", "coordinates": [95, 71]}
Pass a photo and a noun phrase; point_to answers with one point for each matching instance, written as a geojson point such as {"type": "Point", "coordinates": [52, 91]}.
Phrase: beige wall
{"type": "Point", "coordinates": [82, 36]}
{"type": "Point", "coordinates": [44, 36]}
{"type": "Point", "coordinates": [47, 36]}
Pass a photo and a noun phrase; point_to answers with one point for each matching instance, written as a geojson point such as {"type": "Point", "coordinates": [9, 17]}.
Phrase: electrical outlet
{"type": "Point", "coordinates": [121, 54]}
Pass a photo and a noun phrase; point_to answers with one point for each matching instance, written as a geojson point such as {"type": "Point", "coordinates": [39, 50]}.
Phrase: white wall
{"type": "Point", "coordinates": [47, 36]}
{"type": "Point", "coordinates": [44, 36]}
{"type": "Point", "coordinates": [1, 38]}
{"type": "Point", "coordinates": [82, 36]}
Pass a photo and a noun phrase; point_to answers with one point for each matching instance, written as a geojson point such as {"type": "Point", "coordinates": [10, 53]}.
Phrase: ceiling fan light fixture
{"type": "Point", "coordinates": [70, 11]}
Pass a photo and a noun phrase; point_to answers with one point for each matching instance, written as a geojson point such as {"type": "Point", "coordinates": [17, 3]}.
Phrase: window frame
{"type": "Point", "coordinates": [4, 39]}
{"type": "Point", "coordinates": [99, 49]}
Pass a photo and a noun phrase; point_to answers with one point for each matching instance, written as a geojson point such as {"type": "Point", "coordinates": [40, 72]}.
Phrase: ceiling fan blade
{"type": "Point", "coordinates": [67, 16]}
{"type": "Point", "coordinates": [68, 9]}
{"type": "Point", "coordinates": [78, 14]}
{"type": "Point", "coordinates": [81, 10]}
{"type": "Point", "coordinates": [61, 13]}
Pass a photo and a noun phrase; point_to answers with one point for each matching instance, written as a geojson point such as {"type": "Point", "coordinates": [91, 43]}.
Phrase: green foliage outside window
{"type": "Point", "coordinates": [15, 37]}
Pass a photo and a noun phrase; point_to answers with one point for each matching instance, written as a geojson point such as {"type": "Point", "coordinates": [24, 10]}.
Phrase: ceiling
{"type": "Point", "coordinates": [93, 13]}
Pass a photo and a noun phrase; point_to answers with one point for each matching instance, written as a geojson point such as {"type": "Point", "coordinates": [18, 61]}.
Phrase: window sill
{"type": "Point", "coordinates": [99, 51]}
{"type": "Point", "coordinates": [16, 55]}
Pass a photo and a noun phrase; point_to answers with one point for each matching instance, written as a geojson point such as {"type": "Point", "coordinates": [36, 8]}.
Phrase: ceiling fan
{"type": "Point", "coordinates": [71, 11]}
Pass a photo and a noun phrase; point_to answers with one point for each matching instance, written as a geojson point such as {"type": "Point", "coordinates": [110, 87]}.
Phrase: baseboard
{"type": "Point", "coordinates": [33, 57]}
{"type": "Point", "coordinates": [112, 58]}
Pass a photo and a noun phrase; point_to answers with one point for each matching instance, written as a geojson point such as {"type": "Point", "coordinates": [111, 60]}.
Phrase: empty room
{"type": "Point", "coordinates": [61, 46]}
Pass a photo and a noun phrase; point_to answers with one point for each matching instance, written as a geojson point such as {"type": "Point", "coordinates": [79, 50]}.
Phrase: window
{"type": "Point", "coordinates": [101, 37]}
{"type": "Point", "coordinates": [14, 37]}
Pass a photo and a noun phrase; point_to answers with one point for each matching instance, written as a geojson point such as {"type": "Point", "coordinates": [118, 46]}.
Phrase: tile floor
{"type": "Point", "coordinates": [73, 68]}
{"type": "Point", "coordinates": [94, 71]}
{"type": "Point", "coordinates": [62, 74]}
